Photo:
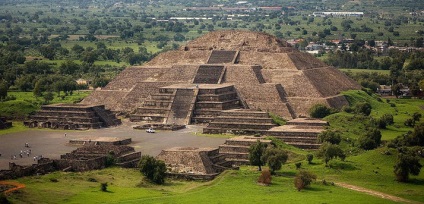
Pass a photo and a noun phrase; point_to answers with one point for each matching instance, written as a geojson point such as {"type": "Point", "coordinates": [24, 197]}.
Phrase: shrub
{"type": "Point", "coordinates": [330, 136]}
{"type": "Point", "coordinates": [103, 187]}
{"type": "Point", "coordinates": [370, 140]}
{"type": "Point", "coordinates": [319, 111]}
{"type": "Point", "coordinates": [298, 165]}
{"type": "Point", "coordinates": [303, 179]}
{"type": "Point", "coordinates": [54, 180]}
{"type": "Point", "coordinates": [363, 108]}
{"type": "Point", "coordinates": [409, 122]}
{"type": "Point", "coordinates": [265, 177]}
{"type": "Point", "coordinates": [3, 199]}
{"type": "Point", "coordinates": [388, 118]}
{"type": "Point", "coordinates": [153, 169]}
{"type": "Point", "coordinates": [309, 157]}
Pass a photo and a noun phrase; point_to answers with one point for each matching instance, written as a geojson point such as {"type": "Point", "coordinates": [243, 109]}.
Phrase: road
{"type": "Point", "coordinates": [53, 143]}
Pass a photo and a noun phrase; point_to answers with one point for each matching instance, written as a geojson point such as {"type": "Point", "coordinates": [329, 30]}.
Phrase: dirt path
{"type": "Point", "coordinates": [376, 193]}
{"type": "Point", "coordinates": [12, 183]}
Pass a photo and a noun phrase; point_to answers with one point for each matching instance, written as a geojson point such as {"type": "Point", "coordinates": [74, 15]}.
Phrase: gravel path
{"type": "Point", "coordinates": [53, 143]}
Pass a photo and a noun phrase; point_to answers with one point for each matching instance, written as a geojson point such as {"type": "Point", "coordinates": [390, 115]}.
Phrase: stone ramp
{"type": "Point", "coordinates": [183, 102]}
{"type": "Point", "coordinates": [209, 74]}
{"type": "Point", "coordinates": [222, 56]}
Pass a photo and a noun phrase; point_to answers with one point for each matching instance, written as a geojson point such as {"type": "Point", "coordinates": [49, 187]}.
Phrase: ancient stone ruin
{"type": "Point", "coordinates": [89, 157]}
{"type": "Point", "coordinates": [72, 117]}
{"type": "Point", "coordinates": [205, 80]}
{"type": "Point", "coordinates": [4, 124]}
{"type": "Point", "coordinates": [206, 163]}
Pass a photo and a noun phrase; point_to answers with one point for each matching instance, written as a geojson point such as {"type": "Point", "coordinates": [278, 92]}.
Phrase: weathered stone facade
{"type": "Point", "coordinates": [4, 123]}
{"type": "Point", "coordinates": [72, 117]}
{"type": "Point", "coordinates": [265, 73]}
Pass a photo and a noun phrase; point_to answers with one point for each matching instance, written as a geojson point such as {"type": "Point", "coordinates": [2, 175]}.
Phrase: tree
{"type": "Point", "coordinates": [370, 140]}
{"type": "Point", "coordinates": [256, 152]}
{"type": "Point", "coordinates": [68, 67]}
{"type": "Point", "coordinates": [407, 163]}
{"type": "Point", "coordinates": [153, 169]}
{"type": "Point", "coordinates": [330, 151]}
{"type": "Point", "coordinates": [48, 97]}
{"type": "Point", "coordinates": [330, 136]}
{"type": "Point", "coordinates": [37, 89]}
{"type": "Point", "coordinates": [303, 179]}
{"type": "Point", "coordinates": [3, 89]}
{"type": "Point", "coordinates": [275, 158]}
{"type": "Point", "coordinates": [319, 111]}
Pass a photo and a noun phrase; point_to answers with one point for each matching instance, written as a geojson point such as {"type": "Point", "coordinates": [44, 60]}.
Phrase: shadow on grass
{"type": "Point", "coordinates": [415, 181]}
{"type": "Point", "coordinates": [342, 166]}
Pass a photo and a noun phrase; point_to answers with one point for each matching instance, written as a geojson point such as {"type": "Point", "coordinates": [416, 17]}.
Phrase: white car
{"type": "Point", "coordinates": [150, 130]}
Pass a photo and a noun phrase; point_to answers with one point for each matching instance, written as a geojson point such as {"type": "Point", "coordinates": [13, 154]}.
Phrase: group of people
{"type": "Point", "coordinates": [22, 153]}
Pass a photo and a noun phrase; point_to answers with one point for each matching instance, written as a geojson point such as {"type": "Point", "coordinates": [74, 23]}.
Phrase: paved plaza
{"type": "Point", "coordinates": [52, 143]}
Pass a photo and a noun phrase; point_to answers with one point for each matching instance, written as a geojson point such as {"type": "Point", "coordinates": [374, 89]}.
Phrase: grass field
{"type": "Point", "coordinates": [127, 186]}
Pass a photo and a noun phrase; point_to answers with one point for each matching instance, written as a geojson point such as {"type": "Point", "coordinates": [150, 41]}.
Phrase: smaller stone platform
{"type": "Point", "coordinates": [101, 141]}
{"type": "Point", "coordinates": [160, 126]}
{"type": "Point", "coordinates": [301, 132]}
{"type": "Point", "coordinates": [72, 117]}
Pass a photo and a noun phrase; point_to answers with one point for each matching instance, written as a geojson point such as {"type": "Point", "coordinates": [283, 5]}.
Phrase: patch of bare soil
{"type": "Point", "coordinates": [375, 193]}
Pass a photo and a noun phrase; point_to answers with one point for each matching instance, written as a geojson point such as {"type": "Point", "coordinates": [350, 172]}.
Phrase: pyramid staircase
{"type": "Point", "coordinates": [222, 56]}
{"type": "Point", "coordinates": [155, 109]}
{"type": "Point", "coordinates": [211, 101]}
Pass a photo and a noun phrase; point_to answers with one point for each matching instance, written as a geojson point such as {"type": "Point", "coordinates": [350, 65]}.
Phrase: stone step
{"type": "Point", "coordinates": [293, 134]}
{"type": "Point", "coordinates": [233, 148]}
{"type": "Point", "coordinates": [244, 113]}
{"type": "Point", "coordinates": [240, 119]}
{"type": "Point", "coordinates": [236, 156]}
{"type": "Point", "coordinates": [246, 142]}
{"type": "Point", "coordinates": [241, 125]}
{"type": "Point", "coordinates": [217, 130]}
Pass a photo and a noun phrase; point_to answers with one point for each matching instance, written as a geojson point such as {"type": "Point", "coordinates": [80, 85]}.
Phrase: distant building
{"type": "Point", "coordinates": [338, 14]}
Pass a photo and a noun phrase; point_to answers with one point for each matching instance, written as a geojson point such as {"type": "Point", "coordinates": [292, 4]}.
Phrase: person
{"type": "Point", "coordinates": [65, 134]}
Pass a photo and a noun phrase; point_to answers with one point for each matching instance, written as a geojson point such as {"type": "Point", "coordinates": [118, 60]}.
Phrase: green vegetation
{"type": "Point", "coordinates": [127, 186]}
{"type": "Point", "coordinates": [26, 103]}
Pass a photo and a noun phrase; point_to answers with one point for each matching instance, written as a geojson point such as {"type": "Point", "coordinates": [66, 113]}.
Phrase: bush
{"type": "Point", "coordinates": [370, 140]}
{"type": "Point", "coordinates": [103, 187]}
{"type": "Point", "coordinates": [298, 165]}
{"type": "Point", "coordinates": [303, 179]}
{"type": "Point", "coordinates": [3, 199]}
{"type": "Point", "coordinates": [153, 169]}
{"type": "Point", "coordinates": [330, 136]}
{"type": "Point", "coordinates": [309, 157]}
{"type": "Point", "coordinates": [363, 108]}
{"type": "Point", "coordinates": [265, 177]}
{"type": "Point", "coordinates": [388, 118]}
{"type": "Point", "coordinates": [320, 111]}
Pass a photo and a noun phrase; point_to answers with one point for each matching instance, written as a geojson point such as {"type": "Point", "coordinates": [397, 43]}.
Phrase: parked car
{"type": "Point", "coordinates": [150, 130]}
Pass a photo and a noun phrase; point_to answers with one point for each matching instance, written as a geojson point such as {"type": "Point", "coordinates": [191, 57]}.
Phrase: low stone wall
{"type": "Point", "coordinates": [81, 165]}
